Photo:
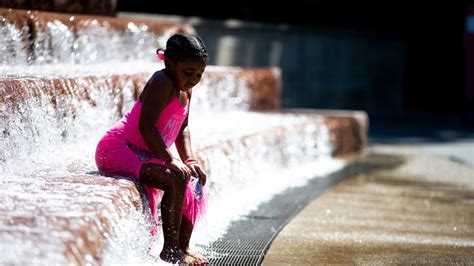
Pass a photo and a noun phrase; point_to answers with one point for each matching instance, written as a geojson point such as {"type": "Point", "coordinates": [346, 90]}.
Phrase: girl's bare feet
{"type": "Point", "coordinates": [199, 258]}
{"type": "Point", "coordinates": [178, 256]}
{"type": "Point", "coordinates": [190, 260]}
{"type": "Point", "coordinates": [171, 255]}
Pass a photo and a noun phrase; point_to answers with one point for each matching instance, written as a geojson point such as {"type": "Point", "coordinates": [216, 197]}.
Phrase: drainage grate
{"type": "Point", "coordinates": [248, 239]}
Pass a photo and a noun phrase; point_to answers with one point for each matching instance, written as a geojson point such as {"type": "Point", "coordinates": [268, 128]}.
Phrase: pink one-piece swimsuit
{"type": "Point", "coordinates": [122, 151]}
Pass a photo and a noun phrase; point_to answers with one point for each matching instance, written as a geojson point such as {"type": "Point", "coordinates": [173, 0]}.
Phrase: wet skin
{"type": "Point", "coordinates": [176, 80]}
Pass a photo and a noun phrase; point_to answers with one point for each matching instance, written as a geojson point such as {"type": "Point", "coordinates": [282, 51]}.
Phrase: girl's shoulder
{"type": "Point", "coordinates": [159, 85]}
{"type": "Point", "coordinates": [161, 82]}
{"type": "Point", "coordinates": [161, 78]}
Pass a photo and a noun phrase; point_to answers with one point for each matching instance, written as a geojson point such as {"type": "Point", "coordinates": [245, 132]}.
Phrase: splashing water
{"type": "Point", "coordinates": [58, 101]}
{"type": "Point", "coordinates": [48, 137]}
{"type": "Point", "coordinates": [13, 43]}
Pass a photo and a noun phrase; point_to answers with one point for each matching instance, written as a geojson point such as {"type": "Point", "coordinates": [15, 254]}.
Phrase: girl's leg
{"type": "Point", "coordinates": [185, 233]}
{"type": "Point", "coordinates": [174, 186]}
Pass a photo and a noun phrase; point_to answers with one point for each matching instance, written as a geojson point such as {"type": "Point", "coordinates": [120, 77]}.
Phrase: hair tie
{"type": "Point", "coordinates": [161, 54]}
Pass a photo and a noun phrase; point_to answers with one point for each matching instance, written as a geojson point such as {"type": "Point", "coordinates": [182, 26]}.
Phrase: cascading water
{"type": "Point", "coordinates": [54, 111]}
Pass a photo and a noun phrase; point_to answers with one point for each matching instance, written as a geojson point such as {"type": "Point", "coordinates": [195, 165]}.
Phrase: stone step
{"type": "Point", "coordinates": [38, 37]}
{"type": "Point", "coordinates": [220, 89]}
{"type": "Point", "coordinates": [95, 7]}
{"type": "Point", "coordinates": [74, 214]}
{"type": "Point", "coordinates": [61, 220]}
{"type": "Point", "coordinates": [66, 78]}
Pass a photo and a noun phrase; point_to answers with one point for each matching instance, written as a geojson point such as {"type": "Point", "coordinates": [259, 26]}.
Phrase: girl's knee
{"type": "Point", "coordinates": [162, 178]}
{"type": "Point", "coordinates": [178, 181]}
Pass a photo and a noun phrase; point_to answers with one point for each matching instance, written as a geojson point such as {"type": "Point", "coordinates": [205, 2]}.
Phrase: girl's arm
{"type": "Point", "coordinates": [183, 142]}
{"type": "Point", "coordinates": [154, 99]}
{"type": "Point", "coordinates": [184, 148]}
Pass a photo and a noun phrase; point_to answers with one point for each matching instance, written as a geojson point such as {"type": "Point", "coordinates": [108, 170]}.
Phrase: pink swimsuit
{"type": "Point", "coordinates": [122, 151]}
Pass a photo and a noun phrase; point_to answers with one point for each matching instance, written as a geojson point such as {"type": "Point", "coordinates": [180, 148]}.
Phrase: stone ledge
{"type": "Point", "coordinates": [51, 221]}
{"type": "Point", "coordinates": [349, 128]}
{"type": "Point", "coordinates": [79, 229]}
{"type": "Point", "coordinates": [47, 37]}
{"type": "Point", "coordinates": [252, 88]}
{"type": "Point", "coordinates": [101, 7]}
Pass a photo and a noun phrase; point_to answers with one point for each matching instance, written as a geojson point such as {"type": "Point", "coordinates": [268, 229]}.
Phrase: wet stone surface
{"type": "Point", "coordinates": [419, 212]}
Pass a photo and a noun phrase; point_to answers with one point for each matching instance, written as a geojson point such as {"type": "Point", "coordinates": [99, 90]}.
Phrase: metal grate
{"type": "Point", "coordinates": [248, 239]}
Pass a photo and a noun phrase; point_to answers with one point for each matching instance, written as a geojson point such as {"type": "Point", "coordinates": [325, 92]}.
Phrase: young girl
{"type": "Point", "coordinates": [138, 146]}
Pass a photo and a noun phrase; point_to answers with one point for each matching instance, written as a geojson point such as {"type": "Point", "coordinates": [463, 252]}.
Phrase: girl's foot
{"type": "Point", "coordinates": [175, 255]}
{"type": "Point", "coordinates": [199, 258]}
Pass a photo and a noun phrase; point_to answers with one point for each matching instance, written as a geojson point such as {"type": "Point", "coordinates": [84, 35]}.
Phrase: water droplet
{"type": "Point", "coordinates": [88, 258]}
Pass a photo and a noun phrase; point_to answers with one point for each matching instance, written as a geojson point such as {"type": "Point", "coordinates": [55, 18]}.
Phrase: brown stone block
{"type": "Point", "coordinates": [261, 84]}
{"type": "Point", "coordinates": [348, 137]}
{"type": "Point", "coordinates": [82, 235]}
{"type": "Point", "coordinates": [15, 37]}
{"type": "Point", "coordinates": [19, 89]}
{"type": "Point", "coordinates": [256, 89]}
{"type": "Point", "coordinates": [19, 96]}
{"type": "Point", "coordinates": [265, 86]}
{"type": "Point", "coordinates": [97, 7]}
{"type": "Point", "coordinates": [348, 129]}
{"type": "Point", "coordinates": [59, 214]}
{"type": "Point", "coordinates": [48, 37]}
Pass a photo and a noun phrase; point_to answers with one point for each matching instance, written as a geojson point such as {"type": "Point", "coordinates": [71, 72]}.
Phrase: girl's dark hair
{"type": "Point", "coordinates": [185, 46]}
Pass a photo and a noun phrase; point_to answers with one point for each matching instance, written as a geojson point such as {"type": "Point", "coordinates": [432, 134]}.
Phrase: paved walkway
{"type": "Point", "coordinates": [420, 211]}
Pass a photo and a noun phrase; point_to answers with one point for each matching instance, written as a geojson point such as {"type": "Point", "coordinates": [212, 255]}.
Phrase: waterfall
{"type": "Point", "coordinates": [65, 81]}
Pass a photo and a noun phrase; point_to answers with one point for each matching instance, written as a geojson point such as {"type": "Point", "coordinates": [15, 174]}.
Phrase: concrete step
{"type": "Point", "coordinates": [75, 215]}
{"type": "Point", "coordinates": [38, 37]}
{"type": "Point", "coordinates": [220, 89]}
{"type": "Point", "coordinates": [52, 196]}
{"type": "Point", "coordinates": [66, 78]}
{"type": "Point", "coordinates": [61, 219]}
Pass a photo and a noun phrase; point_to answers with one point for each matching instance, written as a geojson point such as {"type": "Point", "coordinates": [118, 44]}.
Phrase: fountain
{"type": "Point", "coordinates": [65, 78]}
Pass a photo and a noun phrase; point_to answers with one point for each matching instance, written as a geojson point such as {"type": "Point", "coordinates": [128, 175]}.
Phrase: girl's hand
{"type": "Point", "coordinates": [181, 168]}
{"type": "Point", "coordinates": [196, 170]}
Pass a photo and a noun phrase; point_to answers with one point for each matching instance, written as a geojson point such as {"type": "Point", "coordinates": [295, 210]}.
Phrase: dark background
{"type": "Point", "coordinates": [433, 34]}
{"type": "Point", "coordinates": [435, 105]}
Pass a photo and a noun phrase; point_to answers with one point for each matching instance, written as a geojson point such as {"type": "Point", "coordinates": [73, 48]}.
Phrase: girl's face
{"type": "Point", "coordinates": [187, 73]}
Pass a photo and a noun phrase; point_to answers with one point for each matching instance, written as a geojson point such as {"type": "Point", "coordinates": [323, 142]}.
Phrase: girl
{"type": "Point", "coordinates": [138, 146]}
